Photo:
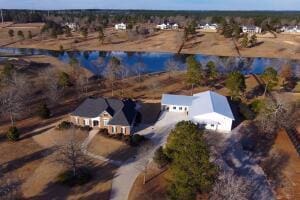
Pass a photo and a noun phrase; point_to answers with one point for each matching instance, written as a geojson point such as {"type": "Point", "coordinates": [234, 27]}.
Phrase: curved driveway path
{"type": "Point", "coordinates": [128, 172]}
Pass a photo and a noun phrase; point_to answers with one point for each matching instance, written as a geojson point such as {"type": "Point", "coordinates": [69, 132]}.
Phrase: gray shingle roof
{"type": "Point", "coordinates": [122, 111]}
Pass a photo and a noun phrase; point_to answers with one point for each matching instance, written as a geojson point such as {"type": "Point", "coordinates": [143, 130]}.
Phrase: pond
{"type": "Point", "coordinates": [96, 61]}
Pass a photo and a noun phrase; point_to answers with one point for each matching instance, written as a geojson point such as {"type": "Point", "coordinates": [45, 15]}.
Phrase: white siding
{"type": "Point", "coordinates": [214, 121]}
{"type": "Point", "coordinates": [176, 108]}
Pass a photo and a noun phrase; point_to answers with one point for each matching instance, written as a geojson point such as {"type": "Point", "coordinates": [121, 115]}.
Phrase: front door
{"type": "Point", "coordinates": [95, 123]}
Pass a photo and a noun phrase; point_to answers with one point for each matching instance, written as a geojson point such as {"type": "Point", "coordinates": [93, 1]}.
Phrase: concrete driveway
{"type": "Point", "coordinates": [128, 172]}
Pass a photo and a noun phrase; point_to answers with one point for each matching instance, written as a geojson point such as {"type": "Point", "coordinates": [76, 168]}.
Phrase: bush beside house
{"type": "Point", "coordinates": [132, 140]}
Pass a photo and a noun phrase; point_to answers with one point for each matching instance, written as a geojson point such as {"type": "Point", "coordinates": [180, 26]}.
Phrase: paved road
{"type": "Point", "coordinates": [128, 172]}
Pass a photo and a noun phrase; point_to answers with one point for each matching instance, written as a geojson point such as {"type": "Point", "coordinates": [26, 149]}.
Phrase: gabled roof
{"type": "Point", "coordinates": [200, 103]}
{"type": "Point", "coordinates": [180, 100]}
{"type": "Point", "coordinates": [92, 108]}
{"type": "Point", "coordinates": [122, 111]}
{"type": "Point", "coordinates": [210, 102]}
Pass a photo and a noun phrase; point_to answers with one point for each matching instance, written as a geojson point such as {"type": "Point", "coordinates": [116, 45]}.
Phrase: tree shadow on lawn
{"type": "Point", "coordinates": [20, 162]}
{"type": "Point", "coordinates": [32, 134]}
{"type": "Point", "coordinates": [101, 174]}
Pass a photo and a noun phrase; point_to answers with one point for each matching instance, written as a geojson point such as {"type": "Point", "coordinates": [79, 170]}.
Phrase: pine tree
{"type": "Point", "coordinates": [245, 41]}
{"type": "Point", "coordinates": [191, 170]}
{"type": "Point", "coordinates": [194, 71]}
{"type": "Point", "coordinates": [235, 82]}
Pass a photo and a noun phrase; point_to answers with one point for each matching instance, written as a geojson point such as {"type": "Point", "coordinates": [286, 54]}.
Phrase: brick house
{"type": "Point", "coordinates": [117, 116]}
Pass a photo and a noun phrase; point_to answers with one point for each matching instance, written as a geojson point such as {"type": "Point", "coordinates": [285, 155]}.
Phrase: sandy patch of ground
{"type": "Point", "coordinates": [155, 187]}
{"type": "Point", "coordinates": [18, 160]}
{"type": "Point", "coordinates": [291, 187]}
{"type": "Point", "coordinates": [211, 44]}
{"type": "Point", "coordinates": [41, 184]}
{"type": "Point", "coordinates": [111, 148]}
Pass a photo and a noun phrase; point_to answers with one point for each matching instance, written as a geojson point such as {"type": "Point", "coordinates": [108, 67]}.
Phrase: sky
{"type": "Point", "coordinates": [153, 4]}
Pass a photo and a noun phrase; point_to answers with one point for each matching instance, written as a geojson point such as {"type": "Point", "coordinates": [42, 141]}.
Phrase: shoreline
{"type": "Point", "coordinates": [183, 52]}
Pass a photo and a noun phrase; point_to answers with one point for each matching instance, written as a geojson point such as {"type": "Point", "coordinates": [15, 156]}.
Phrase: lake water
{"type": "Point", "coordinates": [95, 61]}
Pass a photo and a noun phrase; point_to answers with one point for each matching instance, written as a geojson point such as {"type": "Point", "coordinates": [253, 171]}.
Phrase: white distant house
{"type": "Point", "coordinates": [72, 26]}
{"type": "Point", "coordinates": [290, 29]}
{"type": "Point", "coordinates": [121, 26]}
{"type": "Point", "coordinates": [213, 27]}
{"type": "Point", "coordinates": [164, 26]}
{"type": "Point", "coordinates": [209, 109]}
{"type": "Point", "coordinates": [175, 26]}
{"type": "Point", "coordinates": [251, 29]}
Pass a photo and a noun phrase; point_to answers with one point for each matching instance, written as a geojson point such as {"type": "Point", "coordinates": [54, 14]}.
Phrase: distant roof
{"type": "Point", "coordinates": [180, 100]}
{"type": "Point", "coordinates": [122, 111]}
{"type": "Point", "coordinates": [200, 103]}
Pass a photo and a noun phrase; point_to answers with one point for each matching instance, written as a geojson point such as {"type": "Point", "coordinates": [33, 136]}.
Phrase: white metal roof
{"type": "Point", "coordinates": [210, 102]}
{"type": "Point", "coordinates": [201, 103]}
{"type": "Point", "coordinates": [178, 100]}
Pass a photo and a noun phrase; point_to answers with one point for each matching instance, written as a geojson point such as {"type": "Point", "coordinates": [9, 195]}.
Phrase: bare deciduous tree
{"type": "Point", "coordinates": [13, 97]}
{"type": "Point", "coordinates": [54, 91]}
{"type": "Point", "coordinates": [70, 153]}
{"type": "Point", "coordinates": [144, 159]}
{"type": "Point", "coordinates": [113, 71]}
{"type": "Point", "coordinates": [231, 187]}
{"type": "Point", "coordinates": [171, 66]}
{"type": "Point", "coordinates": [82, 81]}
{"type": "Point", "coordinates": [276, 114]}
{"type": "Point", "coordinates": [139, 68]}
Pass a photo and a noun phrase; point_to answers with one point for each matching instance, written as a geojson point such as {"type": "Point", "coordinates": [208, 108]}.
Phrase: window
{"type": "Point", "coordinates": [174, 108]}
{"type": "Point", "coordinates": [86, 122]}
{"type": "Point", "coordinates": [185, 108]}
{"type": "Point", "coordinates": [123, 130]}
{"type": "Point", "coordinates": [77, 120]}
{"type": "Point", "coordinates": [212, 125]}
{"type": "Point", "coordinates": [114, 129]}
{"type": "Point", "coordinates": [105, 122]}
{"type": "Point", "coordinates": [180, 108]}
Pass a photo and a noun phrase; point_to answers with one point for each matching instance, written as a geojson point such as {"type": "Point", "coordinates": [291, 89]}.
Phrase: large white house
{"type": "Point", "coordinates": [209, 109]}
{"type": "Point", "coordinates": [121, 26]}
{"type": "Point", "coordinates": [251, 29]}
{"type": "Point", "coordinates": [290, 29]}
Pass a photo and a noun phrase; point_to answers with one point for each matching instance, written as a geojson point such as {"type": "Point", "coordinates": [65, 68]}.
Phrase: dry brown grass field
{"type": "Point", "coordinates": [281, 46]}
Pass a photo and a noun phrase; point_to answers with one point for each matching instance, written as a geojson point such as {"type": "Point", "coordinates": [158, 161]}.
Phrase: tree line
{"type": "Point", "coordinates": [143, 16]}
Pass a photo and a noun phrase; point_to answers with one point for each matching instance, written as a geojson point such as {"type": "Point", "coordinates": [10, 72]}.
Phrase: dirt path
{"type": "Point", "coordinates": [291, 189]}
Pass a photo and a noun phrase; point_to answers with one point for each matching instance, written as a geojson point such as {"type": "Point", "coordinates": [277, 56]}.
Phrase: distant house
{"type": "Point", "coordinates": [251, 29]}
{"type": "Point", "coordinates": [290, 29]}
{"type": "Point", "coordinates": [72, 26]}
{"type": "Point", "coordinates": [208, 108]}
{"type": "Point", "coordinates": [208, 27]}
{"type": "Point", "coordinates": [117, 116]}
{"type": "Point", "coordinates": [164, 26]}
{"type": "Point", "coordinates": [121, 26]}
{"type": "Point", "coordinates": [175, 26]}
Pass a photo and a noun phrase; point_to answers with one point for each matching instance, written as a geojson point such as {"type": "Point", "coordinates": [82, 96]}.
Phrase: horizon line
{"type": "Point", "coordinates": [124, 9]}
